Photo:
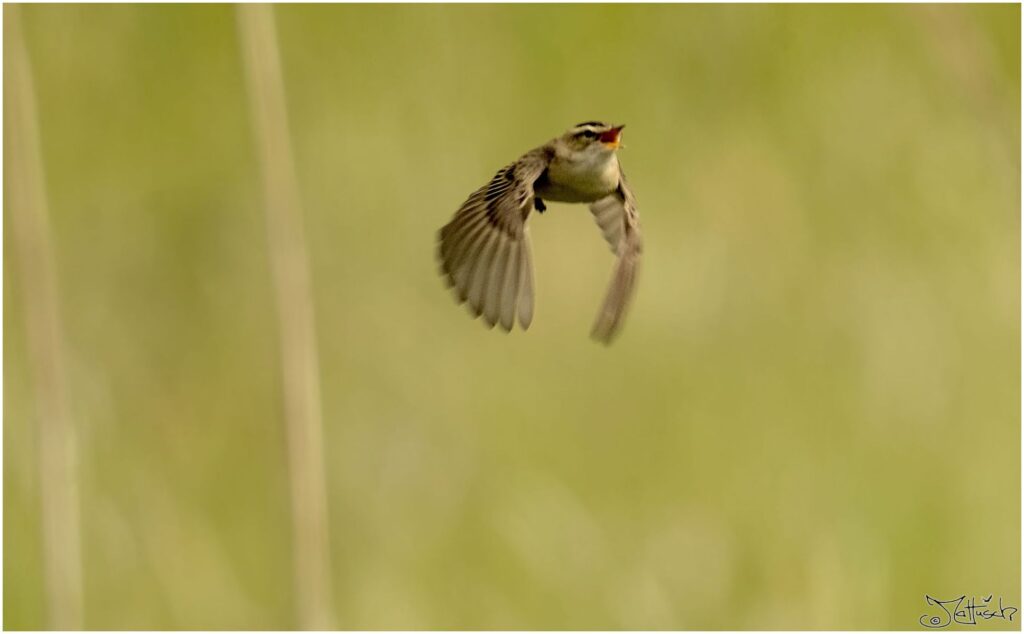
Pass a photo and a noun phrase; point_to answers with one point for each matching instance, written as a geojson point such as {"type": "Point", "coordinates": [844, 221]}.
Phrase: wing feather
{"type": "Point", "coordinates": [510, 288]}
{"type": "Point", "coordinates": [608, 213]}
{"type": "Point", "coordinates": [484, 250]}
{"type": "Point", "coordinates": [619, 220]}
{"type": "Point", "coordinates": [496, 283]}
{"type": "Point", "coordinates": [482, 271]}
{"type": "Point", "coordinates": [525, 285]}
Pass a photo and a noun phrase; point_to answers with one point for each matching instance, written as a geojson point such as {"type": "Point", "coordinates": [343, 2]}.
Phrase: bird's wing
{"type": "Point", "coordinates": [485, 249]}
{"type": "Point", "coordinates": [617, 216]}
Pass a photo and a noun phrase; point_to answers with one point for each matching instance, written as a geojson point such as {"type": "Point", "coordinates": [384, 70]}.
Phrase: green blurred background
{"type": "Point", "coordinates": [811, 419]}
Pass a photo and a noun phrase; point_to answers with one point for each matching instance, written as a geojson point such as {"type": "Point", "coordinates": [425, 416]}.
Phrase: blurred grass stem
{"type": "Point", "coordinates": [300, 366]}
{"type": "Point", "coordinates": [58, 453]}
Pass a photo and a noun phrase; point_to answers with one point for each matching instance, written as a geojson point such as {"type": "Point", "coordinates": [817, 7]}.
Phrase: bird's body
{"type": "Point", "coordinates": [584, 179]}
{"type": "Point", "coordinates": [485, 253]}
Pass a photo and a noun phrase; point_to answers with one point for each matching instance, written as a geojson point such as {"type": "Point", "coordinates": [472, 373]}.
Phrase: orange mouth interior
{"type": "Point", "coordinates": [611, 137]}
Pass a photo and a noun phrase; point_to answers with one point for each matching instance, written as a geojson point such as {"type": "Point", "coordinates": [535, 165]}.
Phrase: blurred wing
{"type": "Point", "coordinates": [617, 216]}
{"type": "Point", "coordinates": [485, 249]}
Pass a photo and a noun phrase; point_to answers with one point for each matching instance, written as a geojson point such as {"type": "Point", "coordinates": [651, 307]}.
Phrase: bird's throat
{"type": "Point", "coordinates": [586, 180]}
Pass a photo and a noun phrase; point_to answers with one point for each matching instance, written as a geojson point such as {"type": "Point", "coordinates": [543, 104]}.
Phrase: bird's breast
{"type": "Point", "coordinates": [579, 181]}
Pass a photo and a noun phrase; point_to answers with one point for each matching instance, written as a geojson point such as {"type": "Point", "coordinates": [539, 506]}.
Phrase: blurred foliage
{"type": "Point", "coordinates": [811, 419]}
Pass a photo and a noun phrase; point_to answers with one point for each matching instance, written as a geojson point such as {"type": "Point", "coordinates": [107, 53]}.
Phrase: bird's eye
{"type": "Point", "coordinates": [589, 134]}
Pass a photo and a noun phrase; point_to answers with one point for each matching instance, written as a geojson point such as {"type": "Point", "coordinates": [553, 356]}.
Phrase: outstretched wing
{"type": "Point", "coordinates": [485, 249]}
{"type": "Point", "coordinates": [617, 216]}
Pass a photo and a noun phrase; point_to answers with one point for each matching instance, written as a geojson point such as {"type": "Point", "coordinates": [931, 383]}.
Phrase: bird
{"type": "Point", "coordinates": [484, 251]}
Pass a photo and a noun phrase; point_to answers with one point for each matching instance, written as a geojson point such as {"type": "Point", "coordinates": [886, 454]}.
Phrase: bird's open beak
{"type": "Point", "coordinates": [611, 137]}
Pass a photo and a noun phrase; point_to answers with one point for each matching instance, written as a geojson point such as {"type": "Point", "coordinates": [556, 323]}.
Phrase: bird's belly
{"type": "Point", "coordinates": [578, 183]}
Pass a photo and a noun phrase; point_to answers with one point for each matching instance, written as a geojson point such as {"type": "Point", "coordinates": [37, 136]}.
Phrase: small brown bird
{"type": "Point", "coordinates": [485, 250]}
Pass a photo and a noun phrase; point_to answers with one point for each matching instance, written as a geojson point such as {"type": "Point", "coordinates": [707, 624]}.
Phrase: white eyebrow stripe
{"type": "Point", "coordinates": [592, 128]}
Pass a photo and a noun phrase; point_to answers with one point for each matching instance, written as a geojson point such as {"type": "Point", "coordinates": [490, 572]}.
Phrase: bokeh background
{"type": "Point", "coordinates": [811, 419]}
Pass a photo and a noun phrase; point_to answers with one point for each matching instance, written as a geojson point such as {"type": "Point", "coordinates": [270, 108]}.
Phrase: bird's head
{"type": "Point", "coordinates": [593, 137]}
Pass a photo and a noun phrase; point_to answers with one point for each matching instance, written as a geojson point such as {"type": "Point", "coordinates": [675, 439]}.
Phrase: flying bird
{"type": "Point", "coordinates": [485, 250]}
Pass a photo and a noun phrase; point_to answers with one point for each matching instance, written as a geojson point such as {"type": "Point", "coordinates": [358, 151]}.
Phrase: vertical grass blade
{"type": "Point", "coordinates": [58, 454]}
{"type": "Point", "coordinates": [289, 264]}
